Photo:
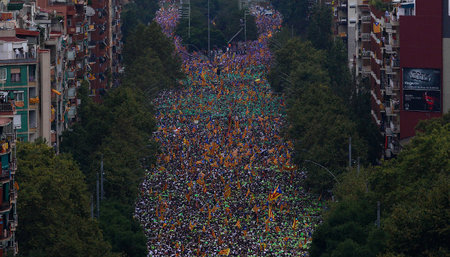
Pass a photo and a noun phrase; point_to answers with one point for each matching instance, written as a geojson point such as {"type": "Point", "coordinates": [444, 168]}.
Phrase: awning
{"type": "Point", "coordinates": [15, 6]}
{"type": "Point", "coordinates": [4, 121]}
{"type": "Point", "coordinates": [408, 5]}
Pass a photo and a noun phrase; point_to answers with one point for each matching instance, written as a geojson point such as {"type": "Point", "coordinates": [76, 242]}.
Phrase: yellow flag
{"type": "Point", "coordinates": [225, 252]}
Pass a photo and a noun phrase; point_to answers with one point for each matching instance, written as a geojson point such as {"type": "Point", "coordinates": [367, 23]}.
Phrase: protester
{"type": "Point", "coordinates": [224, 182]}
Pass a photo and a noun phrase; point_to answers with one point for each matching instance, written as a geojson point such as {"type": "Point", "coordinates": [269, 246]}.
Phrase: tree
{"type": "Point", "coordinates": [320, 131]}
{"type": "Point", "coordinates": [319, 28]}
{"type": "Point", "coordinates": [123, 137]}
{"type": "Point", "coordinates": [54, 206]}
{"type": "Point", "coordinates": [301, 57]}
{"type": "Point", "coordinates": [119, 228]}
{"type": "Point", "coordinates": [348, 230]}
{"type": "Point", "coordinates": [414, 191]}
{"type": "Point", "coordinates": [414, 194]}
{"type": "Point", "coordinates": [295, 14]}
{"type": "Point", "coordinates": [137, 12]}
{"type": "Point", "coordinates": [149, 57]}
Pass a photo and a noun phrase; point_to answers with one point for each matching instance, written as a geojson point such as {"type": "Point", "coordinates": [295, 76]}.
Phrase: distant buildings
{"type": "Point", "coordinates": [8, 190]}
{"type": "Point", "coordinates": [402, 47]}
{"type": "Point", "coordinates": [47, 48]}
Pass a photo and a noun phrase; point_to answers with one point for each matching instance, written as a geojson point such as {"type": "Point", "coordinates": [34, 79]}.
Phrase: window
{"type": "Point", "coordinates": [2, 73]}
{"type": "Point", "coordinates": [32, 73]}
{"type": "Point", "coordinates": [18, 96]}
{"type": "Point", "coordinates": [15, 75]}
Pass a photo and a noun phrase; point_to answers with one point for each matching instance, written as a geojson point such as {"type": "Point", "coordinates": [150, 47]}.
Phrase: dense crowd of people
{"type": "Point", "coordinates": [224, 183]}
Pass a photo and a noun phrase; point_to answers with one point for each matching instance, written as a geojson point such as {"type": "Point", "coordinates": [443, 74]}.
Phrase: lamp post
{"type": "Point", "coordinates": [209, 33]}
{"type": "Point", "coordinates": [320, 165]}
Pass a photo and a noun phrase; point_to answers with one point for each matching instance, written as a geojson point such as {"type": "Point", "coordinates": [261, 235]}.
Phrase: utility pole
{"type": "Point", "coordinates": [209, 33]}
{"type": "Point", "coordinates": [350, 153]}
{"type": "Point", "coordinates": [102, 193]}
{"type": "Point", "coordinates": [98, 198]}
{"type": "Point", "coordinates": [358, 164]}
{"type": "Point", "coordinates": [245, 25]}
{"type": "Point", "coordinates": [189, 18]}
{"type": "Point", "coordinates": [185, 13]}
{"type": "Point", "coordinates": [378, 214]}
{"type": "Point", "coordinates": [92, 206]}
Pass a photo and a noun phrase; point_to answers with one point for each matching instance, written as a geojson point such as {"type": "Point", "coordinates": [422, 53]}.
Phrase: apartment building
{"type": "Point", "coordinates": [403, 48]}
{"type": "Point", "coordinates": [8, 191]}
{"type": "Point", "coordinates": [47, 48]}
{"type": "Point", "coordinates": [71, 41]}
{"type": "Point", "coordinates": [105, 47]}
{"type": "Point", "coordinates": [19, 65]}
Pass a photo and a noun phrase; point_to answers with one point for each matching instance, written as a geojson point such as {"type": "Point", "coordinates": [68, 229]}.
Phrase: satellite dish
{"type": "Point", "coordinates": [90, 11]}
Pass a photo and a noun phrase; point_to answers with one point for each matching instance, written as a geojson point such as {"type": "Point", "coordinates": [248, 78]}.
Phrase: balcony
{"type": "Point", "coordinates": [33, 103]}
{"type": "Point", "coordinates": [390, 29]}
{"type": "Point", "coordinates": [342, 21]}
{"type": "Point", "coordinates": [5, 207]}
{"type": "Point", "coordinates": [70, 75]}
{"type": "Point", "coordinates": [394, 85]}
{"type": "Point", "coordinates": [4, 176]}
{"type": "Point", "coordinates": [343, 6]}
{"type": "Point", "coordinates": [390, 91]}
{"type": "Point", "coordinates": [365, 37]}
{"type": "Point", "coordinates": [13, 167]}
{"type": "Point", "coordinates": [6, 236]}
{"type": "Point", "coordinates": [13, 195]}
{"type": "Point", "coordinates": [5, 148]}
{"type": "Point", "coordinates": [366, 19]}
{"type": "Point", "coordinates": [13, 58]}
{"type": "Point", "coordinates": [395, 64]}
{"type": "Point", "coordinates": [6, 108]}
{"type": "Point", "coordinates": [388, 49]}
{"type": "Point", "coordinates": [365, 54]}
{"type": "Point", "coordinates": [92, 44]}
{"type": "Point", "coordinates": [391, 108]}
{"type": "Point", "coordinates": [13, 224]}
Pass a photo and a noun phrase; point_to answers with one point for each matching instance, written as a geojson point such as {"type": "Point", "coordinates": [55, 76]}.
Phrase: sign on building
{"type": "Point", "coordinates": [421, 89]}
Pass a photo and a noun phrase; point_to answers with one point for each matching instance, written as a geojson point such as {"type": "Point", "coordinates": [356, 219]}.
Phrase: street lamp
{"type": "Point", "coordinates": [320, 165]}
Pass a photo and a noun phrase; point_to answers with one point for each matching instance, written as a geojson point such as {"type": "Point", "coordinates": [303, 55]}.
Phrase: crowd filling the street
{"type": "Point", "coordinates": [224, 182]}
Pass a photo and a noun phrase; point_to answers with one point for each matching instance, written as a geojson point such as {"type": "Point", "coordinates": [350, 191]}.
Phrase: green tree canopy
{"type": "Point", "coordinates": [295, 13]}
{"type": "Point", "coordinates": [150, 60]}
{"type": "Point", "coordinates": [137, 12]}
{"type": "Point", "coordinates": [54, 206]}
{"type": "Point", "coordinates": [413, 191]}
{"type": "Point", "coordinates": [119, 130]}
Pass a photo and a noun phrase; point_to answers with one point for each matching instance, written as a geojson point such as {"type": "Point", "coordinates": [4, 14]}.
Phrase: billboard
{"type": "Point", "coordinates": [422, 90]}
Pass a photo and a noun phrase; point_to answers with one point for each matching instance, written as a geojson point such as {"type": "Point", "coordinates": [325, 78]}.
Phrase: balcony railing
{"type": "Point", "coordinates": [6, 235]}
{"type": "Point", "coordinates": [365, 19]}
{"type": "Point", "coordinates": [6, 107]}
{"type": "Point", "coordinates": [365, 54]}
{"type": "Point", "coordinates": [395, 63]}
{"type": "Point", "coordinates": [5, 206]}
{"type": "Point", "coordinates": [365, 37]}
{"type": "Point", "coordinates": [20, 58]}
{"type": "Point", "coordinates": [4, 175]}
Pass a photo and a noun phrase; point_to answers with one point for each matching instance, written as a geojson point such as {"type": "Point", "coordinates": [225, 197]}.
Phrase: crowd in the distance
{"type": "Point", "coordinates": [223, 160]}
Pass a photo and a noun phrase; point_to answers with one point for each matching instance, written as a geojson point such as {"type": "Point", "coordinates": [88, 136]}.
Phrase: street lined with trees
{"type": "Point", "coordinates": [393, 208]}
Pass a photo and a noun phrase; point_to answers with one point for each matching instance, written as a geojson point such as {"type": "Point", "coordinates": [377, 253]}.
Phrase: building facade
{"type": "Point", "coordinates": [47, 48]}
{"type": "Point", "coordinates": [402, 47]}
{"type": "Point", "coordinates": [8, 191]}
